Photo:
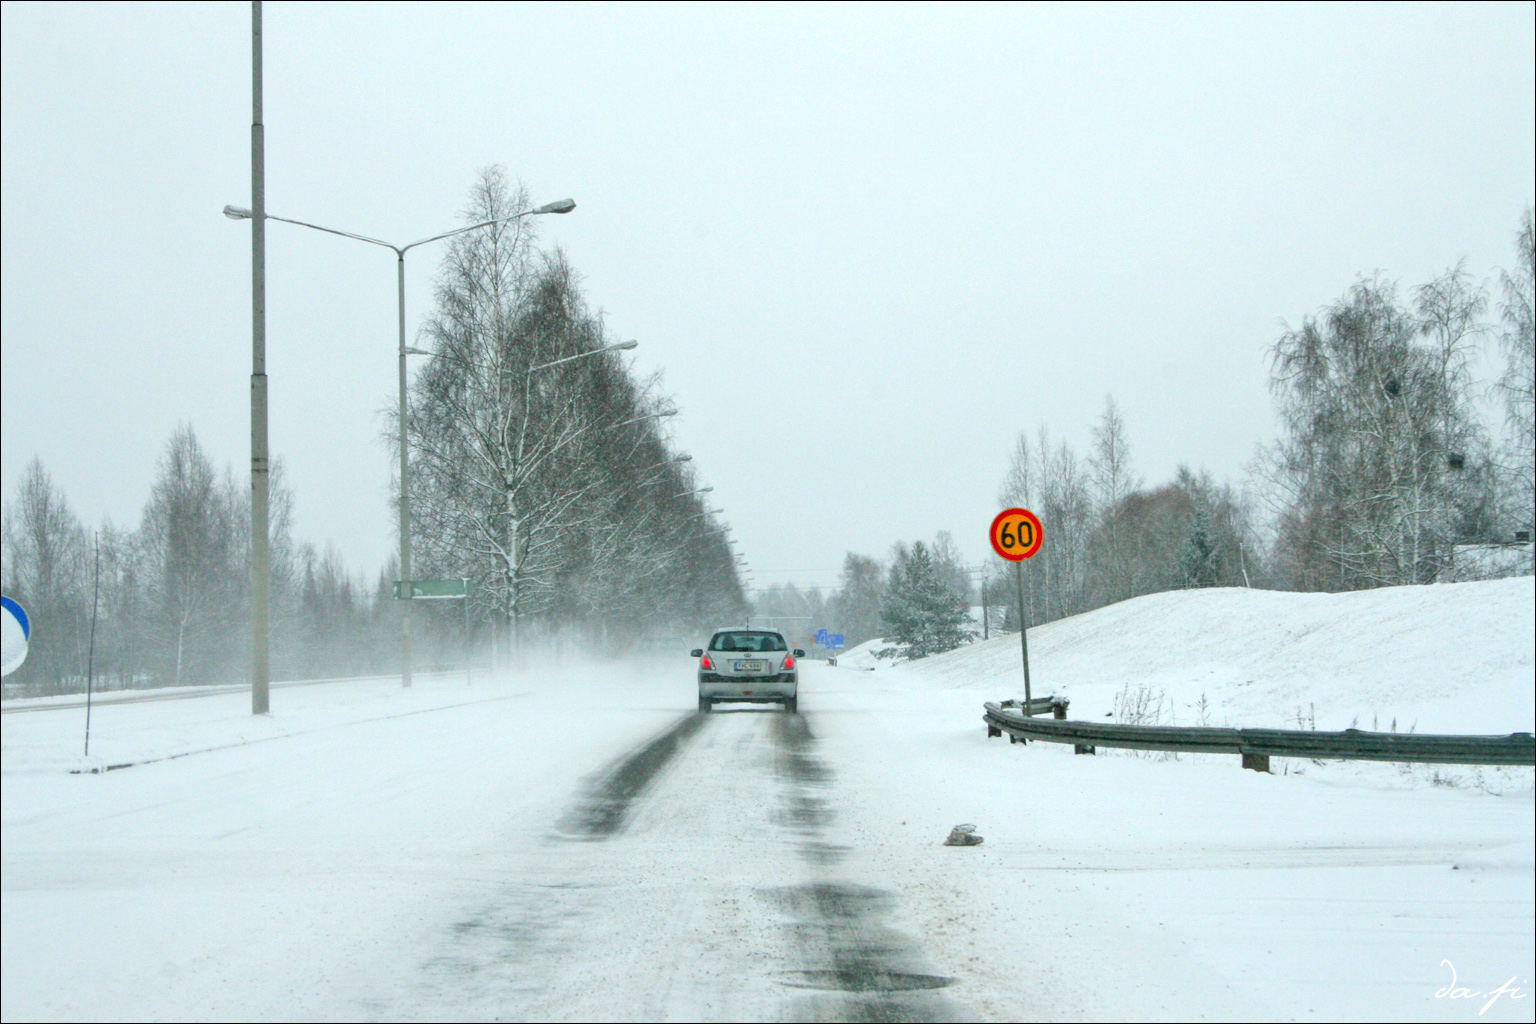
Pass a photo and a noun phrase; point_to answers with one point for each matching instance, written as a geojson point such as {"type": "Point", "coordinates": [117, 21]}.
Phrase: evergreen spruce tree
{"type": "Point", "coordinates": [1198, 559]}
{"type": "Point", "coordinates": [923, 614]}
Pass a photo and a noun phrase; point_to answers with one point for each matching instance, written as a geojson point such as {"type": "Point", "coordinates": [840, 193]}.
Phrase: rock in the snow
{"type": "Point", "coordinates": [963, 835]}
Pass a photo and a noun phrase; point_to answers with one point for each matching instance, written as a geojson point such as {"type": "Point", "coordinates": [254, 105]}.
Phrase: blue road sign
{"type": "Point", "coordinates": [833, 641]}
{"type": "Point", "coordinates": [15, 632]}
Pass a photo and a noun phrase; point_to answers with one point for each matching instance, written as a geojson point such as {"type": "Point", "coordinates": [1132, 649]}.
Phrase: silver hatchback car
{"type": "Point", "coordinates": [751, 665]}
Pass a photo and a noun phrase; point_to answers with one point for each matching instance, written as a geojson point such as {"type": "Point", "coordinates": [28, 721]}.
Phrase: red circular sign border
{"type": "Point", "coordinates": [1039, 533]}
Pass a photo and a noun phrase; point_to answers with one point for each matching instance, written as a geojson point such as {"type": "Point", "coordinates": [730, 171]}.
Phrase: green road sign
{"type": "Point", "coordinates": [429, 590]}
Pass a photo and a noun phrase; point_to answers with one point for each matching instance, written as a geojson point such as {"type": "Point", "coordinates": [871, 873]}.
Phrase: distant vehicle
{"type": "Point", "coordinates": [754, 666]}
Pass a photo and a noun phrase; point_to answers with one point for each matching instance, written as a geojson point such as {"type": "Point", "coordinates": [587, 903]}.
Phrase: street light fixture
{"type": "Point", "coordinates": [648, 416]}
{"type": "Point", "coordinates": [542, 366]}
{"type": "Point", "coordinates": [241, 213]}
{"type": "Point", "coordinates": [657, 465]}
{"type": "Point", "coordinates": [583, 355]}
{"type": "Point", "coordinates": [701, 490]}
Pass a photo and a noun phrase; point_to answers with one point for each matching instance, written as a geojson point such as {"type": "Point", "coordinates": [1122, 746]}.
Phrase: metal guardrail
{"type": "Point", "coordinates": [1257, 746]}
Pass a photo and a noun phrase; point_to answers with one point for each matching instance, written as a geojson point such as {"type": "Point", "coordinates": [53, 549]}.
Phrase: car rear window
{"type": "Point", "coordinates": [747, 641]}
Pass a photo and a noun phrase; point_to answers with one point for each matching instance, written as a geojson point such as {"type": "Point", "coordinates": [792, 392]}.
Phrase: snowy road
{"type": "Point", "coordinates": [698, 877]}
{"type": "Point", "coordinates": [445, 853]}
{"type": "Point", "coordinates": [575, 844]}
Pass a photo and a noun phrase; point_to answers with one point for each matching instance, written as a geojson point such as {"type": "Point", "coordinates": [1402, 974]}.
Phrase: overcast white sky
{"type": "Point", "coordinates": [866, 245]}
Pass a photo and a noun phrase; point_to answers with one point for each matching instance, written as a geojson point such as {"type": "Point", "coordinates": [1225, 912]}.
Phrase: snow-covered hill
{"type": "Point", "coordinates": [1454, 658]}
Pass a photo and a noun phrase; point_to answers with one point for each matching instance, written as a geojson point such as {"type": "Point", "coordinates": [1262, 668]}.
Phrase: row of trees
{"type": "Point", "coordinates": [1386, 468]}
{"type": "Point", "coordinates": [541, 472]}
{"type": "Point", "coordinates": [168, 599]}
{"type": "Point", "coordinates": [1110, 537]}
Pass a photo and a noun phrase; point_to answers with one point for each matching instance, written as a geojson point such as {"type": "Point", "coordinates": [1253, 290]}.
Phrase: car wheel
{"type": "Point", "coordinates": [792, 705]}
{"type": "Point", "coordinates": [704, 705]}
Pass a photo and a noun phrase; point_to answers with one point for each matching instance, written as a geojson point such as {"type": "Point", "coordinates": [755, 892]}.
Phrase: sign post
{"type": "Point", "coordinates": [1016, 535]}
{"type": "Point", "coordinates": [441, 590]}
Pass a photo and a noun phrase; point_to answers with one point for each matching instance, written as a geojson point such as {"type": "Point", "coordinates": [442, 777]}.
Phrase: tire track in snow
{"type": "Point", "coordinates": [876, 972]}
{"type": "Point", "coordinates": [603, 811]}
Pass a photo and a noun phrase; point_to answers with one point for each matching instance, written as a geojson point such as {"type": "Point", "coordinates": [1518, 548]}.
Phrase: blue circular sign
{"type": "Point", "coordinates": [15, 632]}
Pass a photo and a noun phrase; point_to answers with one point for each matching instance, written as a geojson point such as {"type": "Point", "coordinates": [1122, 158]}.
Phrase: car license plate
{"type": "Point", "coordinates": [749, 666]}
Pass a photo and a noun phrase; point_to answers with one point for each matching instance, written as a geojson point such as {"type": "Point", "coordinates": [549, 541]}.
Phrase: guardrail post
{"type": "Point", "coordinates": [1257, 762]}
{"type": "Point", "coordinates": [1083, 748]}
{"type": "Point", "coordinates": [993, 730]}
{"type": "Point", "coordinates": [1059, 708]}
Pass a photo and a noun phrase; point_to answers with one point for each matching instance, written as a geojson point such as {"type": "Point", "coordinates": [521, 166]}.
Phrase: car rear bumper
{"type": "Point", "coordinates": [747, 700]}
{"type": "Point", "coordinates": [757, 691]}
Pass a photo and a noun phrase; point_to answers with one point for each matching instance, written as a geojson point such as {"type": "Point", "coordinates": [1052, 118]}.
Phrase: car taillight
{"type": "Point", "coordinates": [789, 662]}
{"type": "Point", "coordinates": [706, 664]}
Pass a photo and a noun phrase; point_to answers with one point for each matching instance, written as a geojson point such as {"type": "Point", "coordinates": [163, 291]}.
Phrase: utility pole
{"type": "Point", "coordinates": [979, 573]}
{"type": "Point", "coordinates": [406, 655]}
{"type": "Point", "coordinates": [261, 583]}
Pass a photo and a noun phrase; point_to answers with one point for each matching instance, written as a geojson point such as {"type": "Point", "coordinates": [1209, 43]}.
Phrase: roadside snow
{"type": "Point", "coordinates": [1454, 658]}
{"type": "Point", "coordinates": [264, 879]}
{"type": "Point", "coordinates": [1153, 887]}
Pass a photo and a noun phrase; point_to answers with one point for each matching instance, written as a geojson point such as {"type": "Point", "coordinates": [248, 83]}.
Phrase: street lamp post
{"type": "Point", "coordinates": [261, 565]}
{"type": "Point", "coordinates": [259, 216]}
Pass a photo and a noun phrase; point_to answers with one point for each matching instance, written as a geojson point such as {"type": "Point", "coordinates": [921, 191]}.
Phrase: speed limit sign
{"type": "Point", "coordinates": [1016, 534]}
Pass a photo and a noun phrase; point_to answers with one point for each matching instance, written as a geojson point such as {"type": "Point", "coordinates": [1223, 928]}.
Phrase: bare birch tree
{"type": "Point", "coordinates": [188, 537]}
{"type": "Point", "coordinates": [1377, 435]}
{"type": "Point", "coordinates": [1113, 482]}
{"type": "Point", "coordinates": [1518, 382]}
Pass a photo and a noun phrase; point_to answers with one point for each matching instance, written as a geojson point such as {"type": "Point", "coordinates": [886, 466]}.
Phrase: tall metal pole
{"type": "Point", "coordinates": [1018, 575]}
{"type": "Point", "coordinates": [261, 592]}
{"type": "Point", "coordinates": [981, 576]}
{"type": "Point", "coordinates": [405, 502]}
{"type": "Point", "coordinates": [90, 660]}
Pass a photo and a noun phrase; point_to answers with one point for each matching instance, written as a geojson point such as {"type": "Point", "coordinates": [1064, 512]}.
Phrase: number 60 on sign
{"type": "Point", "coordinates": [1016, 534]}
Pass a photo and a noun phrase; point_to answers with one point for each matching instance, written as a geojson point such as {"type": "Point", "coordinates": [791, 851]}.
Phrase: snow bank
{"type": "Point", "coordinates": [862, 656]}
{"type": "Point", "coordinates": [1135, 886]}
{"type": "Point", "coordinates": [1454, 658]}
